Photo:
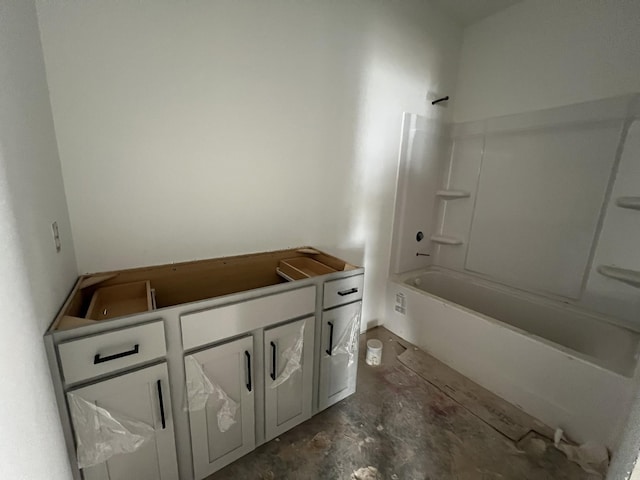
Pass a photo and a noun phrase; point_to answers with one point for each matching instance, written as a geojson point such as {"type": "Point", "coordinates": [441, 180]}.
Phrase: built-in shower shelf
{"type": "Point", "coordinates": [630, 277]}
{"type": "Point", "coordinates": [629, 202]}
{"type": "Point", "coordinates": [446, 240]}
{"type": "Point", "coordinates": [452, 194]}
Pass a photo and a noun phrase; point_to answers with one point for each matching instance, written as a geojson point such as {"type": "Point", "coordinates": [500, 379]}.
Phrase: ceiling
{"type": "Point", "coordinates": [470, 11]}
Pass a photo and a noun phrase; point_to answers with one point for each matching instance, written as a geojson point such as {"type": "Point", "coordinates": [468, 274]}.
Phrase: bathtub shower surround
{"type": "Point", "coordinates": [542, 213]}
{"type": "Point", "coordinates": [530, 289]}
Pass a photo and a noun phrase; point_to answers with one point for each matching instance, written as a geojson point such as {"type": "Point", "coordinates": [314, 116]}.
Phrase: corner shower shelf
{"type": "Point", "coordinates": [625, 275]}
{"type": "Point", "coordinates": [629, 202]}
{"type": "Point", "coordinates": [446, 240]}
{"type": "Point", "coordinates": [451, 194]}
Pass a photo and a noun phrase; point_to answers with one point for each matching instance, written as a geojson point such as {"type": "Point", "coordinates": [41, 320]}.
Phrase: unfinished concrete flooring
{"type": "Point", "coordinates": [405, 428]}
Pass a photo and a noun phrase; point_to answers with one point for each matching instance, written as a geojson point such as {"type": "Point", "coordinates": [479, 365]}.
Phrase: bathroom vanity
{"type": "Point", "coordinates": [275, 333]}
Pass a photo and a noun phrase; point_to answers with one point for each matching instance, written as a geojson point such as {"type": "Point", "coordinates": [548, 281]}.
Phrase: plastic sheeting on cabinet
{"type": "Point", "coordinates": [101, 434]}
{"type": "Point", "coordinates": [348, 341]}
{"type": "Point", "coordinates": [200, 388]}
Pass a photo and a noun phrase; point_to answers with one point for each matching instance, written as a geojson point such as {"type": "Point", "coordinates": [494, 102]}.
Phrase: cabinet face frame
{"type": "Point", "coordinates": [203, 423]}
{"type": "Point", "coordinates": [131, 391]}
{"type": "Point", "coordinates": [299, 386]}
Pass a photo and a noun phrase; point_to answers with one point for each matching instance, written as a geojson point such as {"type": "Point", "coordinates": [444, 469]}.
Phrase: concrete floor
{"type": "Point", "coordinates": [406, 429]}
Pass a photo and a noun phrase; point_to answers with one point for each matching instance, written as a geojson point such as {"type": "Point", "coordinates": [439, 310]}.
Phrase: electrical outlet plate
{"type": "Point", "coordinates": [401, 304]}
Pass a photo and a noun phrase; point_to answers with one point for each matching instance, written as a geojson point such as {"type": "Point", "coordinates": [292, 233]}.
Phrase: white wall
{"type": "Point", "coordinates": [545, 53]}
{"type": "Point", "coordinates": [31, 161]}
{"type": "Point", "coordinates": [198, 129]}
{"type": "Point", "coordinates": [35, 279]}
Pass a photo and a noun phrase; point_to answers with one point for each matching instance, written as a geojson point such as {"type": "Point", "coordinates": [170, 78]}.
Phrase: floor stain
{"type": "Point", "coordinates": [443, 411]}
{"type": "Point", "coordinates": [321, 441]}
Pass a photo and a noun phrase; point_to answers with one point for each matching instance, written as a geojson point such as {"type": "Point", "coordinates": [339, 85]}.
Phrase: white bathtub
{"type": "Point", "coordinates": [567, 367]}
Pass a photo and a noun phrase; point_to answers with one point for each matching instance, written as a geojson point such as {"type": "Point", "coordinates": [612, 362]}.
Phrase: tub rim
{"type": "Point", "coordinates": [552, 301]}
{"type": "Point", "coordinates": [629, 373]}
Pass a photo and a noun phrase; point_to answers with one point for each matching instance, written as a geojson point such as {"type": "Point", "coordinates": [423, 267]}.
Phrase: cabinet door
{"type": "Point", "coordinates": [143, 396]}
{"type": "Point", "coordinates": [337, 377]}
{"type": "Point", "coordinates": [230, 367]}
{"type": "Point", "coordinates": [289, 403]}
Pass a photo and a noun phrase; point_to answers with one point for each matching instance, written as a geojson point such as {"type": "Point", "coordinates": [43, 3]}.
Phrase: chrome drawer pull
{"type": "Point", "coordinates": [98, 359]}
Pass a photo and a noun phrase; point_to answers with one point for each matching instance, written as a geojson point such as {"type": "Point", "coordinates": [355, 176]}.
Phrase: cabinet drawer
{"type": "Point", "coordinates": [88, 357]}
{"type": "Point", "coordinates": [208, 326]}
{"type": "Point", "coordinates": [345, 290]}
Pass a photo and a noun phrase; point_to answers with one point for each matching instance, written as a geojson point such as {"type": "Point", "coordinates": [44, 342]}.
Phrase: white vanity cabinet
{"type": "Point", "coordinates": [240, 318]}
{"type": "Point", "coordinates": [230, 369]}
{"type": "Point", "coordinates": [143, 396]}
{"type": "Point", "coordinates": [288, 350]}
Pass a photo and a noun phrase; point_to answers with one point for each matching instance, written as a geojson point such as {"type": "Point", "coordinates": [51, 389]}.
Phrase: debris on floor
{"type": "Point", "coordinates": [366, 473]}
{"type": "Point", "coordinates": [592, 457]}
{"type": "Point", "coordinates": [558, 436]}
{"type": "Point", "coordinates": [533, 444]}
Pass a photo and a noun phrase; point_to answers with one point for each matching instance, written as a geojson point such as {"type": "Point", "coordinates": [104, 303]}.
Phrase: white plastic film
{"type": "Point", "coordinates": [101, 434]}
{"type": "Point", "coordinates": [200, 388]}
{"type": "Point", "coordinates": [592, 457]}
{"type": "Point", "coordinates": [227, 411]}
{"type": "Point", "coordinates": [292, 357]}
{"type": "Point", "coordinates": [348, 341]}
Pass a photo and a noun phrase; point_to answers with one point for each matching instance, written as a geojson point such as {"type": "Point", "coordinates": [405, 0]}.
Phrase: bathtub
{"type": "Point", "coordinates": [567, 367]}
